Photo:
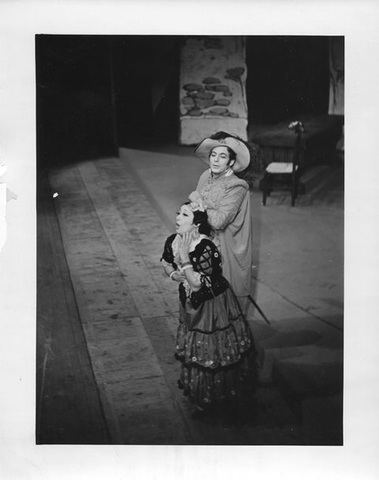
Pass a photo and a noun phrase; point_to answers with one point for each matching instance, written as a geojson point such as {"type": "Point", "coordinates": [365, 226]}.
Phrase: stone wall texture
{"type": "Point", "coordinates": [212, 88]}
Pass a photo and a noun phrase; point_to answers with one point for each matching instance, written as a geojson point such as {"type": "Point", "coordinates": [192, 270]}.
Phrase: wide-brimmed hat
{"type": "Point", "coordinates": [242, 161]}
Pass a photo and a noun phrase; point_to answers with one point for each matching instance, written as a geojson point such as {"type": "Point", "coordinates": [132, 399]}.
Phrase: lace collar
{"type": "Point", "coordinates": [227, 173]}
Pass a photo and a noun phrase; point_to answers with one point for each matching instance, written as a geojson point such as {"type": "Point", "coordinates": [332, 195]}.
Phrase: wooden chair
{"type": "Point", "coordinates": [287, 170]}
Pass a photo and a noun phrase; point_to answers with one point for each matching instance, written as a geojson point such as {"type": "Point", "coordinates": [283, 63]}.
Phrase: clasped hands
{"type": "Point", "coordinates": [184, 246]}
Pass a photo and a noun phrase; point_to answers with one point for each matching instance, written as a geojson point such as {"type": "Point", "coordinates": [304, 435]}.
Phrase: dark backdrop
{"type": "Point", "coordinates": [287, 75]}
{"type": "Point", "coordinates": [98, 92]}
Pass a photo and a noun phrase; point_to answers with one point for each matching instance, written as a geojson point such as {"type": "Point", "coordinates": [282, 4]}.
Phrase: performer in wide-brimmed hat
{"type": "Point", "coordinates": [226, 198]}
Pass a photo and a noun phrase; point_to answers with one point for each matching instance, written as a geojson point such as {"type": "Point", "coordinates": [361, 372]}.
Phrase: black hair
{"type": "Point", "coordinates": [256, 166]}
{"type": "Point", "coordinates": [201, 219]}
{"type": "Point", "coordinates": [232, 154]}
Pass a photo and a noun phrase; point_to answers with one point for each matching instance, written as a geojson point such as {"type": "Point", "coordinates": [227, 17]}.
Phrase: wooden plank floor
{"type": "Point", "coordinates": [68, 405]}
{"type": "Point", "coordinates": [113, 239]}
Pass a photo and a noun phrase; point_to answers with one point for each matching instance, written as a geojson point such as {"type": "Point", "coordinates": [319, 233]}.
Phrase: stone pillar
{"type": "Point", "coordinates": [212, 88]}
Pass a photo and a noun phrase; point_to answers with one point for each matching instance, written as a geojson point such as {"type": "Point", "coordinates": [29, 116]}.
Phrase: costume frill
{"type": "Point", "coordinates": [214, 342]}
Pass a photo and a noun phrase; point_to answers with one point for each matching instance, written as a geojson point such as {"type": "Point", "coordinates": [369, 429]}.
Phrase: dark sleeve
{"type": "Point", "coordinates": [209, 260]}
{"type": "Point", "coordinates": [167, 254]}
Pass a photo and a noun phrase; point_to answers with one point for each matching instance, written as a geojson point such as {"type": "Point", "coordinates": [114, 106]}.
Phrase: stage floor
{"type": "Point", "coordinates": [107, 315]}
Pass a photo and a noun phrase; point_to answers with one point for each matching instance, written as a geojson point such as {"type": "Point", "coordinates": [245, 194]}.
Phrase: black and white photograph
{"type": "Point", "coordinates": [136, 136]}
{"type": "Point", "coordinates": [187, 249]}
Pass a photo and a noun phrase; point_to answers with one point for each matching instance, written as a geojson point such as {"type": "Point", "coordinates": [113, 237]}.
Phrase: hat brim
{"type": "Point", "coordinates": [205, 147]}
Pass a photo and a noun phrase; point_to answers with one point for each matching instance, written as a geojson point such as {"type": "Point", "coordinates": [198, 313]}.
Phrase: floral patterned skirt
{"type": "Point", "coordinates": [216, 348]}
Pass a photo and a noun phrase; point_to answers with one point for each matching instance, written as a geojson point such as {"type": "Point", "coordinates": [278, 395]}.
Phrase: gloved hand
{"type": "Point", "coordinates": [195, 197]}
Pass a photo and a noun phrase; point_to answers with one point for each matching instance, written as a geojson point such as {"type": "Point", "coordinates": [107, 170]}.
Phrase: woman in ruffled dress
{"type": "Point", "coordinates": [214, 342]}
{"type": "Point", "coordinates": [223, 190]}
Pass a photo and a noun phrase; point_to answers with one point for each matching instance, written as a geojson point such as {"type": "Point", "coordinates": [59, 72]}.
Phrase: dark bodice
{"type": "Point", "coordinates": [206, 260]}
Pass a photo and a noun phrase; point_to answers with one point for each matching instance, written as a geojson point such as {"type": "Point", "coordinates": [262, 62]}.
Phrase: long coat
{"type": "Point", "coordinates": [227, 201]}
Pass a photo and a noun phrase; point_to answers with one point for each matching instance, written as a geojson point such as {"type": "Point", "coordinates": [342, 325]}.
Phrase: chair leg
{"type": "Point", "coordinates": [264, 188]}
{"type": "Point", "coordinates": [294, 190]}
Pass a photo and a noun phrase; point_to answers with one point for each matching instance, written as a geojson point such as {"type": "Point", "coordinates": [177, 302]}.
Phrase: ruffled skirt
{"type": "Point", "coordinates": [216, 348]}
